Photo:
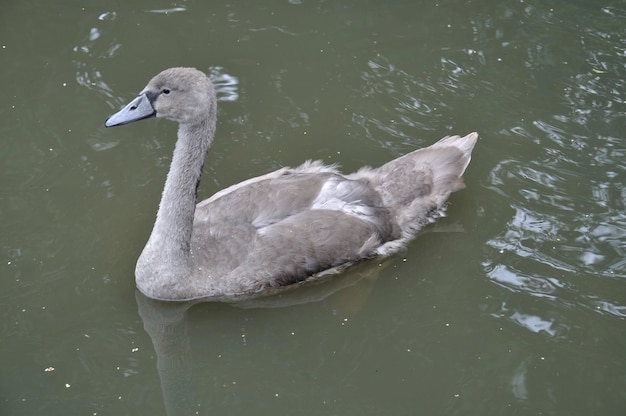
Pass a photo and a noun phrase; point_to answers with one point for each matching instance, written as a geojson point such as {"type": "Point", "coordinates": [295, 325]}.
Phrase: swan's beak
{"type": "Point", "coordinates": [137, 109]}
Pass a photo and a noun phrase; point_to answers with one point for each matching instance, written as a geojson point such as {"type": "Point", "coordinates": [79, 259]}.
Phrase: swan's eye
{"type": "Point", "coordinates": [165, 91]}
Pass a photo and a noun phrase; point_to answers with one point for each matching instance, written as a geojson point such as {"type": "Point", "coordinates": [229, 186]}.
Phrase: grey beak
{"type": "Point", "coordinates": [137, 109]}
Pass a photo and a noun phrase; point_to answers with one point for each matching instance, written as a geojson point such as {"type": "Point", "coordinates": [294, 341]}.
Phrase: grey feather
{"type": "Point", "coordinates": [283, 228]}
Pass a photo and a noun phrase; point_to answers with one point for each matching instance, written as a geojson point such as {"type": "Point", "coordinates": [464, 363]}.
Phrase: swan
{"type": "Point", "coordinates": [283, 228]}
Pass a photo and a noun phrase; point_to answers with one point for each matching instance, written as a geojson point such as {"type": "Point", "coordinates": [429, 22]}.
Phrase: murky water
{"type": "Point", "coordinates": [515, 303]}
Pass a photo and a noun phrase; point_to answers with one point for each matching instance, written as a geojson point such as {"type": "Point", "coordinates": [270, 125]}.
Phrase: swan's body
{"type": "Point", "coordinates": [281, 228]}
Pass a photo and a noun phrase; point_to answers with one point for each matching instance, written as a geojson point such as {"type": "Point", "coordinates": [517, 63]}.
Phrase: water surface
{"type": "Point", "coordinates": [514, 303]}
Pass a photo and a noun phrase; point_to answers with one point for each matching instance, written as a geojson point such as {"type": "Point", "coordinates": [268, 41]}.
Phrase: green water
{"type": "Point", "coordinates": [513, 304]}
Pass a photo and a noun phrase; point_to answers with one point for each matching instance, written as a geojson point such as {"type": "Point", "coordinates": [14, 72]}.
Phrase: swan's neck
{"type": "Point", "coordinates": [178, 203]}
{"type": "Point", "coordinates": [166, 256]}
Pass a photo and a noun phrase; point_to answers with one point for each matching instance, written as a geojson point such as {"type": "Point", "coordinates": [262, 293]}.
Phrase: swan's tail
{"type": "Point", "coordinates": [416, 185]}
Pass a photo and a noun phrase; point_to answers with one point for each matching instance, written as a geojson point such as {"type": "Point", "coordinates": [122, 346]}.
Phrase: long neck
{"type": "Point", "coordinates": [171, 235]}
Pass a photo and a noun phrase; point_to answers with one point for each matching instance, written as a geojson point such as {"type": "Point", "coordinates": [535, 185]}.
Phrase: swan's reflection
{"type": "Point", "coordinates": [166, 324]}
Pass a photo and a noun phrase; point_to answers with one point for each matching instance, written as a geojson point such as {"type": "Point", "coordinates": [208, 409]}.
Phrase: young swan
{"type": "Point", "coordinates": [286, 227]}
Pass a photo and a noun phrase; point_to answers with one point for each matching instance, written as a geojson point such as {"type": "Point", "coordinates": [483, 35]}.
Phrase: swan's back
{"type": "Point", "coordinates": [294, 223]}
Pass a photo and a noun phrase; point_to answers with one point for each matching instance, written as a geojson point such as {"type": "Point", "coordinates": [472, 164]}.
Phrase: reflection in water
{"type": "Point", "coordinates": [226, 85]}
{"type": "Point", "coordinates": [534, 323]}
{"type": "Point", "coordinates": [518, 381]}
{"type": "Point", "coordinates": [168, 11]}
{"type": "Point", "coordinates": [530, 284]}
{"type": "Point", "coordinates": [166, 324]}
{"type": "Point", "coordinates": [608, 307]}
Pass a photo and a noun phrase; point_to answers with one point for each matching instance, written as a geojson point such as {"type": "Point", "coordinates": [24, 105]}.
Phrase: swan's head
{"type": "Point", "coordinates": [184, 95]}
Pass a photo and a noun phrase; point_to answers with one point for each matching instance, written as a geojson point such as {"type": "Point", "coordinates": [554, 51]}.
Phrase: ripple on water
{"type": "Point", "coordinates": [407, 104]}
{"type": "Point", "coordinates": [564, 247]}
{"type": "Point", "coordinates": [563, 241]}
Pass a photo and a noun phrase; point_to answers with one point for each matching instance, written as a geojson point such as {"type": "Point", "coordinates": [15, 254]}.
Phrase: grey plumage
{"type": "Point", "coordinates": [282, 228]}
